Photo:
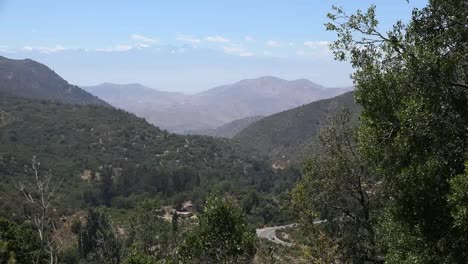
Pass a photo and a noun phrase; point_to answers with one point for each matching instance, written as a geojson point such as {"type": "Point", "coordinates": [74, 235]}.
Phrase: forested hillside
{"type": "Point", "coordinates": [292, 135]}
{"type": "Point", "coordinates": [30, 79]}
{"type": "Point", "coordinates": [109, 157]}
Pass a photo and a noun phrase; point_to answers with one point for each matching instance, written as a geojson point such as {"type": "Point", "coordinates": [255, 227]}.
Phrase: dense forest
{"type": "Point", "coordinates": [104, 156]}
{"type": "Point", "coordinates": [92, 184]}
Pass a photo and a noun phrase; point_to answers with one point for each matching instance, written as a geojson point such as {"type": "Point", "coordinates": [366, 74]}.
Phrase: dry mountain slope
{"type": "Point", "coordinates": [134, 96]}
{"type": "Point", "coordinates": [215, 107]}
{"type": "Point", "coordinates": [31, 79]}
{"type": "Point", "coordinates": [291, 136]}
{"type": "Point", "coordinates": [230, 129]}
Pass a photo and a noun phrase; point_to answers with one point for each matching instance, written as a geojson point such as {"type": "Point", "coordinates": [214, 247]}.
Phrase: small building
{"type": "Point", "coordinates": [187, 206]}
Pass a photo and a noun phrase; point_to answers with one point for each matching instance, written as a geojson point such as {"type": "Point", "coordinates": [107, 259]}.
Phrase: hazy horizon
{"type": "Point", "coordinates": [181, 47]}
{"type": "Point", "coordinates": [209, 88]}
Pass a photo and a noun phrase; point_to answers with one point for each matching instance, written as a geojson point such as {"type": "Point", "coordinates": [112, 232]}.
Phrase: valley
{"type": "Point", "coordinates": [98, 155]}
{"type": "Point", "coordinates": [233, 132]}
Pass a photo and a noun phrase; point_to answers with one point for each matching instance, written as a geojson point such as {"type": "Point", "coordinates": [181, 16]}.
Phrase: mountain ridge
{"type": "Point", "coordinates": [30, 79]}
{"type": "Point", "coordinates": [210, 109]}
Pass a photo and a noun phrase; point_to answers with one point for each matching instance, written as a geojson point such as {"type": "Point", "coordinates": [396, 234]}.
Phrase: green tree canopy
{"type": "Point", "coordinates": [339, 186]}
{"type": "Point", "coordinates": [20, 244]}
{"type": "Point", "coordinates": [412, 84]}
{"type": "Point", "coordinates": [149, 232]}
{"type": "Point", "coordinates": [222, 236]}
{"type": "Point", "coordinates": [98, 240]}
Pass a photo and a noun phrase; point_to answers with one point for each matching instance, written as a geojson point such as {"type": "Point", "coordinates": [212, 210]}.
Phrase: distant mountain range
{"type": "Point", "coordinates": [292, 135]}
{"type": "Point", "coordinates": [216, 107]}
{"type": "Point", "coordinates": [30, 79]}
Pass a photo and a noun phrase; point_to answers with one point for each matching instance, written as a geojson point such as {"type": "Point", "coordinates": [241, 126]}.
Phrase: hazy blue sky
{"type": "Point", "coordinates": [182, 45]}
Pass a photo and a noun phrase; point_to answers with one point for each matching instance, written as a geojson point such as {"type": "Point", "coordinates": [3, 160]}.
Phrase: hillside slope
{"type": "Point", "coordinates": [290, 136]}
{"type": "Point", "coordinates": [31, 79]}
{"type": "Point", "coordinates": [230, 129]}
{"type": "Point", "coordinates": [77, 143]}
{"type": "Point", "coordinates": [134, 96]}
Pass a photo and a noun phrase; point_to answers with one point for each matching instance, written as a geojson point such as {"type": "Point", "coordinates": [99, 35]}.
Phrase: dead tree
{"type": "Point", "coordinates": [40, 194]}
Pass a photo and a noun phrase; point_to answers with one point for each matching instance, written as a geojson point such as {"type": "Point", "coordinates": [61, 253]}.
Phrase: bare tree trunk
{"type": "Point", "coordinates": [40, 195]}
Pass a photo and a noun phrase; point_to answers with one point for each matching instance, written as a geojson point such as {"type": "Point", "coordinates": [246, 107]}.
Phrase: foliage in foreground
{"type": "Point", "coordinates": [19, 244]}
{"type": "Point", "coordinates": [223, 235]}
{"type": "Point", "coordinates": [338, 186]}
{"type": "Point", "coordinates": [412, 85]}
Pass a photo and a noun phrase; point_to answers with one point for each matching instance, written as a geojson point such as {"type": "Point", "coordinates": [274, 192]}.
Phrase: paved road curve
{"type": "Point", "coordinates": [270, 233]}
